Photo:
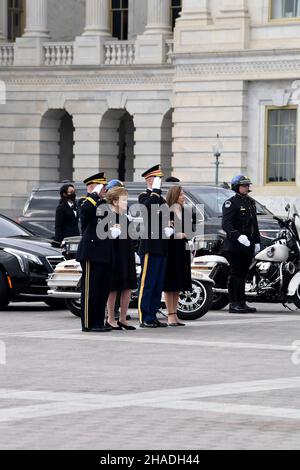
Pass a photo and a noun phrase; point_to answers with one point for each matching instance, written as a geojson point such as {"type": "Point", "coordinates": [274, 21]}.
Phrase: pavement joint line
{"type": "Point", "coordinates": [50, 335]}
{"type": "Point", "coordinates": [224, 408]}
{"type": "Point", "coordinates": [202, 323]}
{"type": "Point", "coordinates": [61, 403]}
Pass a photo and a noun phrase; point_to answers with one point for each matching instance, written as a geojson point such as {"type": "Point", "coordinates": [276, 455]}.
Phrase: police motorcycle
{"type": "Point", "coordinates": [274, 275]}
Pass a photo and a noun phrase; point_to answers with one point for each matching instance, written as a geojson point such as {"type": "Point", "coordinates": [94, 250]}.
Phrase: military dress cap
{"type": "Point", "coordinates": [99, 178]}
{"type": "Point", "coordinates": [154, 171]}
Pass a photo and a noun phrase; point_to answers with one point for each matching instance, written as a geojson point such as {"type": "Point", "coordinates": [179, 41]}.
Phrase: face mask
{"type": "Point", "coordinates": [71, 197]}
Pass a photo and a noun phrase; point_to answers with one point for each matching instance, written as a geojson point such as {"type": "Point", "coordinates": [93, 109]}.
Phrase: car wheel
{"type": "Point", "coordinates": [74, 305]}
{"type": "Point", "coordinates": [4, 291]}
{"type": "Point", "coordinates": [57, 304]}
{"type": "Point", "coordinates": [195, 303]}
{"type": "Point", "coordinates": [219, 301]}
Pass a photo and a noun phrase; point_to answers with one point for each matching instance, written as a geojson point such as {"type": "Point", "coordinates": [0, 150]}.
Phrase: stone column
{"type": "Point", "coordinates": [159, 17]}
{"type": "Point", "coordinates": [3, 20]}
{"type": "Point", "coordinates": [151, 46]}
{"type": "Point", "coordinates": [196, 10]}
{"type": "Point", "coordinates": [97, 18]}
{"type": "Point", "coordinates": [36, 19]}
{"type": "Point", "coordinates": [89, 48]}
{"type": "Point", "coordinates": [29, 48]}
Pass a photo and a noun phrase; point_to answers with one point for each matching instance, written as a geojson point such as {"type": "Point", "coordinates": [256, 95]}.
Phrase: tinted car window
{"type": "Point", "coordinates": [43, 203]}
{"type": "Point", "coordinates": [214, 199]}
{"type": "Point", "coordinates": [10, 229]}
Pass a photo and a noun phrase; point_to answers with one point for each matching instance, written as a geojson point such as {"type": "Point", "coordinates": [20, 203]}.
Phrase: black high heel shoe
{"type": "Point", "coordinates": [172, 324]}
{"type": "Point", "coordinates": [118, 328]}
{"type": "Point", "coordinates": [126, 327]}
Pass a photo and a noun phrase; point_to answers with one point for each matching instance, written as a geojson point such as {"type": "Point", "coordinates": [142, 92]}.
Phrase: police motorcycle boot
{"type": "Point", "coordinates": [148, 324]}
{"type": "Point", "coordinates": [248, 308]}
{"type": "Point", "coordinates": [236, 307]}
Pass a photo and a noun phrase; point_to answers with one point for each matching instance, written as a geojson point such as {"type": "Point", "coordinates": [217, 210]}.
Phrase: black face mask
{"type": "Point", "coordinates": [71, 197]}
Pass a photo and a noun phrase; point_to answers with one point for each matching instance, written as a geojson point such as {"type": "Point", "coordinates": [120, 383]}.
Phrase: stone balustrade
{"type": "Point", "coordinates": [62, 53]}
{"type": "Point", "coordinates": [6, 54]}
{"type": "Point", "coordinates": [119, 52]}
{"type": "Point", "coordinates": [169, 51]}
{"type": "Point", "coordinates": [58, 53]}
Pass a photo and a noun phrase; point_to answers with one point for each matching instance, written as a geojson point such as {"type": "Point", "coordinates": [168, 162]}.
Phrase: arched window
{"type": "Point", "coordinates": [119, 19]}
{"type": "Point", "coordinates": [16, 19]}
{"type": "Point", "coordinates": [176, 6]}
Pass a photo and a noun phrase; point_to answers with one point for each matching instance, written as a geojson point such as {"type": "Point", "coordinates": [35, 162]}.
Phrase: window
{"type": "Point", "coordinates": [175, 10]}
{"type": "Point", "coordinates": [285, 9]}
{"type": "Point", "coordinates": [119, 18]}
{"type": "Point", "coordinates": [281, 145]}
{"type": "Point", "coordinates": [16, 19]}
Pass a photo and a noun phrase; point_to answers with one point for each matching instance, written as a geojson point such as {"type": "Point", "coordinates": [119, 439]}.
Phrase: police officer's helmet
{"type": "Point", "coordinates": [238, 181]}
{"type": "Point", "coordinates": [114, 184]}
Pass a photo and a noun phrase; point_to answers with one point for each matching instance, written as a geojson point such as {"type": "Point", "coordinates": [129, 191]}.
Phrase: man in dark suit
{"type": "Point", "coordinates": [66, 218]}
{"type": "Point", "coordinates": [95, 255]}
{"type": "Point", "coordinates": [153, 252]}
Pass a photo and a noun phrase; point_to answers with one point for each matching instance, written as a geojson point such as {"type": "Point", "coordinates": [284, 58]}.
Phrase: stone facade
{"type": "Point", "coordinates": [160, 96]}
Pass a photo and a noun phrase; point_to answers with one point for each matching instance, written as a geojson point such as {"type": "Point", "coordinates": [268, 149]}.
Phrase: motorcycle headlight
{"type": "Point", "coordinates": [22, 257]}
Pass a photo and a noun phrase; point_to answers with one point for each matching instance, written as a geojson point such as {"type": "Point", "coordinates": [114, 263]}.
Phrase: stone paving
{"type": "Point", "coordinates": [222, 382]}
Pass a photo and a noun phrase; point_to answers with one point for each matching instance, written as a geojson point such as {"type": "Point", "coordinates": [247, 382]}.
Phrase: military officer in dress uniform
{"type": "Point", "coordinates": [153, 253]}
{"type": "Point", "coordinates": [95, 256]}
{"type": "Point", "coordinates": [242, 242]}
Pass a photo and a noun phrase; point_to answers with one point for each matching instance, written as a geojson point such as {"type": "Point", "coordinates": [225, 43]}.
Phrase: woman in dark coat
{"type": "Point", "coordinates": [124, 269]}
{"type": "Point", "coordinates": [178, 272]}
{"type": "Point", "coordinates": [66, 218]}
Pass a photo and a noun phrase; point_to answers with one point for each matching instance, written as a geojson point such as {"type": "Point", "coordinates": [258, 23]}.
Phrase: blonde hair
{"type": "Point", "coordinates": [114, 194]}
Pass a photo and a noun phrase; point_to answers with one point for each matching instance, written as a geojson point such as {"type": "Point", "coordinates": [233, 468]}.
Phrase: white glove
{"type": "Point", "coordinates": [98, 189]}
{"type": "Point", "coordinates": [156, 183]}
{"type": "Point", "coordinates": [244, 240]}
{"type": "Point", "coordinates": [257, 248]}
{"type": "Point", "coordinates": [115, 232]}
{"type": "Point", "coordinates": [169, 231]}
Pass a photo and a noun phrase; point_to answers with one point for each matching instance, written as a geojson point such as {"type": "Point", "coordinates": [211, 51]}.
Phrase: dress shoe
{"type": "Point", "coordinates": [100, 329]}
{"type": "Point", "coordinates": [148, 324]}
{"type": "Point", "coordinates": [126, 327]}
{"type": "Point", "coordinates": [236, 308]}
{"type": "Point", "coordinates": [180, 324]}
{"type": "Point", "coordinates": [248, 308]}
{"type": "Point", "coordinates": [161, 324]}
{"type": "Point", "coordinates": [118, 328]}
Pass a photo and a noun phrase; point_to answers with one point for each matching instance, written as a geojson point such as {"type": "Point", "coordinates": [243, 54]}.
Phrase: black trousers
{"type": "Point", "coordinates": [95, 288]}
{"type": "Point", "coordinates": [239, 267]}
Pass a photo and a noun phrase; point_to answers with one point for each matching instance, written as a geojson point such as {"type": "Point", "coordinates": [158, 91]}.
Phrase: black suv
{"type": "Point", "coordinates": [25, 263]}
{"type": "Point", "coordinates": [39, 212]}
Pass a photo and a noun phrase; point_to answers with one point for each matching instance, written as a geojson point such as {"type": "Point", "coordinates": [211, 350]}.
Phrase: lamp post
{"type": "Point", "coordinates": [217, 150]}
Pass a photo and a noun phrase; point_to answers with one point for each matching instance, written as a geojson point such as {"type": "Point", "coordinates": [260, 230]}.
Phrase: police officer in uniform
{"type": "Point", "coordinates": [242, 242]}
{"type": "Point", "coordinates": [95, 256]}
{"type": "Point", "coordinates": [153, 254]}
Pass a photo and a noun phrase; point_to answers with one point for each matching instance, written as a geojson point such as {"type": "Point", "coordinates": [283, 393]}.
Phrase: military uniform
{"type": "Point", "coordinates": [153, 253]}
{"type": "Point", "coordinates": [239, 218]}
{"type": "Point", "coordinates": [95, 256]}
